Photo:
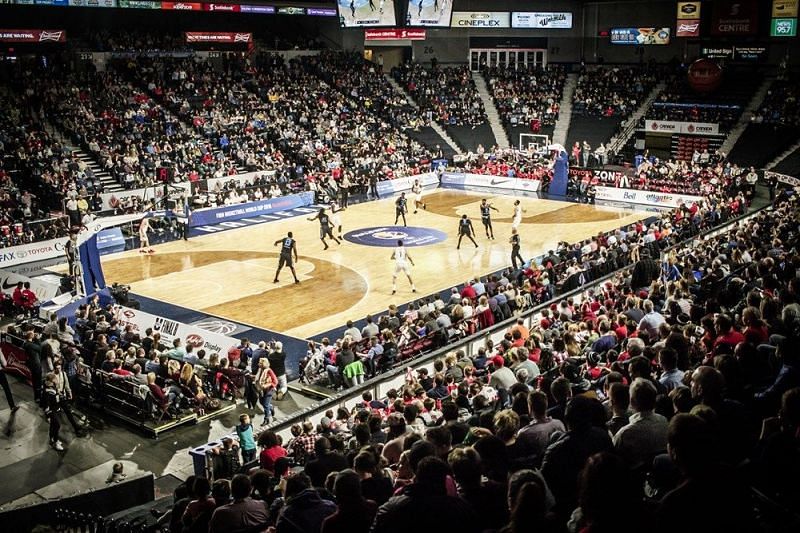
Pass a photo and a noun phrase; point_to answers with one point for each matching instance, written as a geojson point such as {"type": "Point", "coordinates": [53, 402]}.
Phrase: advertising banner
{"type": "Point", "coordinates": [227, 37]}
{"type": "Point", "coordinates": [170, 330]}
{"type": "Point", "coordinates": [43, 290]}
{"type": "Point", "coordinates": [434, 13]}
{"type": "Point", "coordinates": [782, 178]}
{"type": "Point", "coordinates": [643, 36]}
{"type": "Point", "coordinates": [182, 6]}
{"type": "Point", "coordinates": [694, 128]}
{"type": "Point", "coordinates": [459, 180]}
{"type": "Point", "coordinates": [784, 8]}
{"type": "Point", "coordinates": [113, 200]}
{"type": "Point", "coordinates": [28, 253]}
{"type": "Point", "coordinates": [783, 28]}
{"type": "Point", "coordinates": [394, 34]}
{"type": "Point", "coordinates": [320, 12]}
{"type": "Point", "coordinates": [93, 3]}
{"type": "Point", "coordinates": [481, 19]}
{"type": "Point", "coordinates": [110, 240]}
{"type": "Point", "coordinates": [749, 53]}
{"type": "Point", "coordinates": [139, 4]}
{"type": "Point", "coordinates": [601, 175]}
{"type": "Point", "coordinates": [544, 21]}
{"type": "Point", "coordinates": [291, 10]}
{"type": "Point", "coordinates": [33, 36]}
{"type": "Point", "coordinates": [51, 2]}
{"type": "Point", "coordinates": [734, 17]}
{"type": "Point", "coordinates": [688, 10]}
{"type": "Point", "coordinates": [389, 187]}
{"type": "Point", "coordinates": [364, 13]}
{"type": "Point", "coordinates": [717, 52]}
{"type": "Point", "coordinates": [223, 8]}
{"type": "Point", "coordinates": [261, 10]}
{"type": "Point", "coordinates": [657, 199]}
{"type": "Point", "coordinates": [688, 28]}
{"type": "Point", "coordinates": [215, 215]}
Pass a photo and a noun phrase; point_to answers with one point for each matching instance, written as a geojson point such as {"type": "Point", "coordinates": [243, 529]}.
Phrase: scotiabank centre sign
{"type": "Point", "coordinates": [481, 19]}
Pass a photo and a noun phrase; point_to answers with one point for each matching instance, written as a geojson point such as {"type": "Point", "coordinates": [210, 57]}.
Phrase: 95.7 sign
{"type": "Point", "coordinates": [784, 28]}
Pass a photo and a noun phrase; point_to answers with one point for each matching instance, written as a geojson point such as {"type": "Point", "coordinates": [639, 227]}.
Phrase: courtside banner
{"type": "Point", "coordinates": [227, 37]}
{"type": "Point", "coordinates": [460, 180]}
{"type": "Point", "coordinates": [37, 251]}
{"type": "Point", "coordinates": [114, 200]}
{"type": "Point", "coordinates": [215, 215]}
{"type": "Point", "coordinates": [33, 36]}
{"type": "Point", "coordinates": [404, 184]}
{"type": "Point", "coordinates": [170, 330]}
{"type": "Point", "coordinates": [654, 198]}
{"type": "Point", "coordinates": [43, 290]}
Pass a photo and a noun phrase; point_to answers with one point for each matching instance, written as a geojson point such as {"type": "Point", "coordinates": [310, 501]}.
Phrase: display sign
{"type": "Point", "coordinates": [224, 8]}
{"type": "Point", "coordinates": [481, 19]}
{"type": "Point", "coordinates": [783, 28]}
{"type": "Point", "coordinates": [291, 11]}
{"type": "Point", "coordinates": [227, 37]}
{"type": "Point", "coordinates": [93, 3]}
{"type": "Point", "coordinates": [734, 17]}
{"type": "Point", "coordinates": [657, 199]}
{"type": "Point", "coordinates": [394, 35]}
{"type": "Point", "coordinates": [404, 184]}
{"type": "Point", "coordinates": [544, 21]}
{"type": "Point", "coordinates": [43, 290]}
{"type": "Point", "coordinates": [51, 2]}
{"type": "Point", "coordinates": [320, 12]}
{"type": "Point", "coordinates": [182, 6]}
{"type": "Point", "coordinates": [749, 53]}
{"type": "Point", "coordinates": [644, 36]}
{"type": "Point", "coordinates": [669, 126]}
{"type": "Point", "coordinates": [33, 36]}
{"type": "Point", "coordinates": [261, 10]}
{"type": "Point", "coordinates": [458, 180]}
{"type": "Point", "coordinates": [215, 215]}
{"type": "Point", "coordinates": [688, 10]}
{"type": "Point", "coordinates": [434, 13]}
{"type": "Point", "coordinates": [717, 52]}
{"type": "Point", "coordinates": [139, 4]}
{"type": "Point", "coordinates": [361, 13]}
{"type": "Point", "coordinates": [784, 8]}
{"type": "Point", "coordinates": [688, 28]}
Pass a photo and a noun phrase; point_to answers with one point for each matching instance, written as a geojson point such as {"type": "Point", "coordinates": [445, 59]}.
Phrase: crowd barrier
{"type": "Point", "coordinates": [379, 385]}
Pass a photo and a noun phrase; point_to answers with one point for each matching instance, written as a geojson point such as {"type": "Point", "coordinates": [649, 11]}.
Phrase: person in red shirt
{"type": "Point", "coordinates": [727, 337]}
{"type": "Point", "coordinates": [271, 450]}
{"type": "Point", "coordinates": [755, 329]}
{"type": "Point", "coordinates": [468, 291]}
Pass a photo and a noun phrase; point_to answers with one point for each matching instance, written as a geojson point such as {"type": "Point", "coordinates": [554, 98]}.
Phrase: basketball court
{"type": "Point", "coordinates": [230, 274]}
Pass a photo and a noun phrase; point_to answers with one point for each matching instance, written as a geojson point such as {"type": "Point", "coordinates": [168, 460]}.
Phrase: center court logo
{"type": "Point", "coordinates": [388, 236]}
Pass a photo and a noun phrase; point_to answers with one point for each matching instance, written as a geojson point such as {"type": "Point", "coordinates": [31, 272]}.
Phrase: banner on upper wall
{"type": "Point", "coordinates": [33, 36]}
{"type": "Point", "coordinates": [734, 17]}
{"type": "Point", "coordinates": [784, 8]}
{"type": "Point", "coordinates": [544, 21]}
{"type": "Point", "coordinates": [226, 37]}
{"type": "Point", "coordinates": [640, 36]}
{"type": "Point", "coordinates": [481, 19]}
{"type": "Point", "coordinates": [460, 180]}
{"type": "Point", "coordinates": [223, 8]}
{"type": "Point", "coordinates": [182, 6]}
{"type": "Point", "coordinates": [689, 10]}
{"type": "Point", "coordinates": [389, 187]}
{"type": "Point", "coordinates": [93, 3]}
{"type": "Point", "coordinates": [694, 128]}
{"type": "Point", "coordinates": [215, 215]}
{"type": "Point", "coordinates": [170, 330]}
{"type": "Point", "coordinates": [260, 10]}
{"type": "Point", "coordinates": [656, 199]}
{"type": "Point", "coordinates": [139, 4]}
{"type": "Point", "coordinates": [394, 34]}
{"type": "Point", "coordinates": [783, 28]}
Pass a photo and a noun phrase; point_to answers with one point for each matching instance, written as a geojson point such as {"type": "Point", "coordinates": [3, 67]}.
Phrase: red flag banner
{"type": "Point", "coordinates": [33, 36]}
{"type": "Point", "coordinates": [225, 37]}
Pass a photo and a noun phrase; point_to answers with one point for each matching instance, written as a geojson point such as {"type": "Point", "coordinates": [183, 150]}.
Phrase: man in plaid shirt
{"type": "Point", "coordinates": [302, 446]}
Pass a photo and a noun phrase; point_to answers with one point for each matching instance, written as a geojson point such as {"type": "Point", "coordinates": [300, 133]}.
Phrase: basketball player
{"type": "Point", "coordinates": [288, 249]}
{"type": "Point", "coordinates": [324, 227]}
{"type": "Point", "coordinates": [144, 239]}
{"type": "Point", "coordinates": [419, 13]}
{"type": "Point", "coordinates": [401, 260]}
{"type": "Point", "coordinates": [465, 229]}
{"type": "Point", "coordinates": [400, 208]}
{"type": "Point", "coordinates": [417, 190]}
{"type": "Point", "coordinates": [518, 210]}
{"type": "Point", "coordinates": [371, 5]}
{"type": "Point", "coordinates": [486, 217]}
{"type": "Point", "coordinates": [353, 8]}
{"type": "Point", "coordinates": [514, 240]}
{"type": "Point", "coordinates": [336, 218]}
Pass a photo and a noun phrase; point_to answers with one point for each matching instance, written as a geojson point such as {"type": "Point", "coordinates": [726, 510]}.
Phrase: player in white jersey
{"type": "Point", "coordinates": [144, 238]}
{"type": "Point", "coordinates": [336, 218]}
{"type": "Point", "coordinates": [401, 260]}
{"type": "Point", "coordinates": [416, 189]}
{"type": "Point", "coordinates": [518, 210]}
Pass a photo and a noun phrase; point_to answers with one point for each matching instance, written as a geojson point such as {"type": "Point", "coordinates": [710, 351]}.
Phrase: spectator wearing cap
{"type": "Point", "coordinates": [646, 434]}
{"type": "Point", "coordinates": [502, 376]}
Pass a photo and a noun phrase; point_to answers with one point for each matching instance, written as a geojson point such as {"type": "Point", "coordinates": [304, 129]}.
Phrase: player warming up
{"type": "Point", "coordinates": [324, 227]}
{"type": "Point", "coordinates": [514, 240]}
{"type": "Point", "coordinates": [288, 249]}
{"type": "Point", "coordinates": [486, 217]}
{"type": "Point", "coordinates": [401, 261]}
{"type": "Point", "coordinates": [465, 229]}
{"type": "Point", "coordinates": [518, 210]}
{"type": "Point", "coordinates": [401, 208]}
{"type": "Point", "coordinates": [336, 218]}
{"type": "Point", "coordinates": [417, 190]}
{"type": "Point", "coordinates": [144, 238]}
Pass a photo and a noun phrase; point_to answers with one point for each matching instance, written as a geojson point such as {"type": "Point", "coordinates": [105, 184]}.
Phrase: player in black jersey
{"type": "Point", "coordinates": [486, 217]}
{"type": "Point", "coordinates": [325, 229]}
{"type": "Point", "coordinates": [465, 229]}
{"type": "Point", "coordinates": [288, 249]}
{"type": "Point", "coordinates": [514, 240]}
{"type": "Point", "coordinates": [401, 208]}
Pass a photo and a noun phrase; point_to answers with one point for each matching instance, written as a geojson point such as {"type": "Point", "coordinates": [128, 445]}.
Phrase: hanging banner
{"type": "Point", "coordinates": [734, 17]}
{"type": "Point", "coordinates": [481, 19]}
{"type": "Point", "coordinates": [33, 36]}
{"type": "Point", "coordinates": [544, 21]}
{"type": "Point", "coordinates": [643, 36]}
{"type": "Point", "coordinates": [226, 37]}
{"type": "Point", "coordinates": [395, 34]}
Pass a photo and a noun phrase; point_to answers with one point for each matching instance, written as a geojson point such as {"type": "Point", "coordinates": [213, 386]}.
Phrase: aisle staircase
{"type": "Point", "coordinates": [777, 161]}
{"type": "Point", "coordinates": [619, 141]}
{"type": "Point", "coordinates": [500, 134]}
{"type": "Point", "coordinates": [446, 139]}
{"type": "Point", "coordinates": [109, 183]}
{"type": "Point", "coordinates": [565, 110]}
{"type": "Point", "coordinates": [747, 115]}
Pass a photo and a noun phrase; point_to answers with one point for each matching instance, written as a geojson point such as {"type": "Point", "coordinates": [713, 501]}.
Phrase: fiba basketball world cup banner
{"type": "Point", "coordinates": [33, 36]}
{"type": "Point", "coordinates": [226, 37]}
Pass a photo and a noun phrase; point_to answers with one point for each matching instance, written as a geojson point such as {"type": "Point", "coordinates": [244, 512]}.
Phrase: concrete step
{"type": "Point", "coordinates": [499, 132]}
{"type": "Point", "coordinates": [565, 110]}
{"type": "Point", "coordinates": [747, 115]}
{"type": "Point", "coordinates": [775, 162]}
{"type": "Point", "coordinates": [618, 142]}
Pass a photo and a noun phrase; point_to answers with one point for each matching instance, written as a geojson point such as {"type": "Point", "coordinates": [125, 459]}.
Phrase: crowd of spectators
{"type": "Point", "coordinates": [679, 102]}
{"type": "Point", "coordinates": [671, 391]}
{"type": "Point", "coordinates": [446, 95]}
{"type": "Point", "coordinates": [612, 91]}
{"type": "Point", "coordinates": [528, 97]}
{"type": "Point", "coordinates": [780, 105]}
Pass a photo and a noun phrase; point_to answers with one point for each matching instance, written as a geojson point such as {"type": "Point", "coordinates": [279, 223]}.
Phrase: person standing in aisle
{"type": "Point", "coordinates": [288, 249]}
{"type": "Point", "coordinates": [401, 260]}
{"type": "Point", "coordinates": [515, 246]}
{"type": "Point", "coordinates": [465, 229]}
{"type": "Point", "coordinates": [486, 218]}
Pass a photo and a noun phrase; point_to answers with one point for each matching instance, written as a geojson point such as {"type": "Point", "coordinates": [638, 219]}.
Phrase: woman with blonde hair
{"type": "Point", "coordinates": [265, 383]}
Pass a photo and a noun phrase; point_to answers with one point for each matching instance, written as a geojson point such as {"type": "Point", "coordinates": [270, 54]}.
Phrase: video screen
{"type": "Point", "coordinates": [364, 13]}
{"type": "Point", "coordinates": [429, 13]}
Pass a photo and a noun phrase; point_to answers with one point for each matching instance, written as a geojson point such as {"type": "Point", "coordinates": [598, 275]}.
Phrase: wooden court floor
{"type": "Point", "coordinates": [230, 274]}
